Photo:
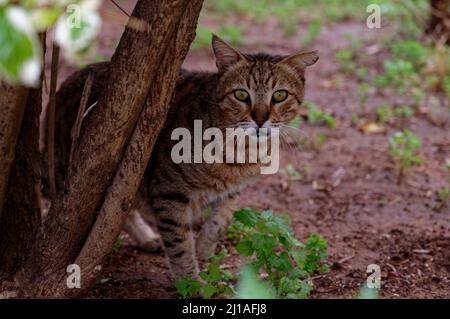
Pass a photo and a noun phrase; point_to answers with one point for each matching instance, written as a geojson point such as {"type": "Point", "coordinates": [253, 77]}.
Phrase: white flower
{"type": "Point", "coordinates": [30, 72]}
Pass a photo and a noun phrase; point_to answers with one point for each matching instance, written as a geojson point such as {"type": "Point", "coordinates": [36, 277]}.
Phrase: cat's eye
{"type": "Point", "coordinates": [241, 95]}
{"type": "Point", "coordinates": [280, 96]}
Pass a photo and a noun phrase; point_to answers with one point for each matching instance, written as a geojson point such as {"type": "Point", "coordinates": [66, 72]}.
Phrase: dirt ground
{"type": "Point", "coordinates": [349, 193]}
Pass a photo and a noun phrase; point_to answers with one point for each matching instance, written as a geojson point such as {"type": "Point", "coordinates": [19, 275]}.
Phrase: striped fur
{"type": "Point", "coordinates": [179, 194]}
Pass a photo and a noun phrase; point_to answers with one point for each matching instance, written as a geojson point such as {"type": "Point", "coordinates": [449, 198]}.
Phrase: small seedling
{"type": "Point", "coordinates": [363, 93]}
{"type": "Point", "coordinates": [118, 244]}
{"type": "Point", "coordinates": [313, 32]}
{"type": "Point", "coordinates": [443, 194]}
{"type": "Point", "coordinates": [216, 281]}
{"type": "Point", "coordinates": [398, 73]}
{"type": "Point", "coordinates": [292, 172]}
{"type": "Point", "coordinates": [404, 147]}
{"type": "Point", "coordinates": [315, 115]}
{"type": "Point", "coordinates": [346, 59]}
{"type": "Point", "coordinates": [403, 111]}
{"type": "Point", "coordinates": [385, 114]}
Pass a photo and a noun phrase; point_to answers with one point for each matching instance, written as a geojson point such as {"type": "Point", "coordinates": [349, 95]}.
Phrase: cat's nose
{"type": "Point", "coordinates": [260, 118]}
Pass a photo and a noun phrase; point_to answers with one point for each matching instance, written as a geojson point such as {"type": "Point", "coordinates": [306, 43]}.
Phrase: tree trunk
{"type": "Point", "coordinates": [439, 23]}
{"type": "Point", "coordinates": [21, 216]}
{"type": "Point", "coordinates": [142, 72]}
{"type": "Point", "coordinates": [131, 170]}
{"type": "Point", "coordinates": [12, 104]}
{"type": "Point", "coordinates": [21, 213]}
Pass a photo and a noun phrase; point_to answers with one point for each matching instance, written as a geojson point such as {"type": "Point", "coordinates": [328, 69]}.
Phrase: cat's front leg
{"type": "Point", "coordinates": [215, 227]}
{"type": "Point", "coordinates": [175, 228]}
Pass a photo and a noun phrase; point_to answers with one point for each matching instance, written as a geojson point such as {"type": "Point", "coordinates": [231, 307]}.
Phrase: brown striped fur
{"type": "Point", "coordinates": [179, 194]}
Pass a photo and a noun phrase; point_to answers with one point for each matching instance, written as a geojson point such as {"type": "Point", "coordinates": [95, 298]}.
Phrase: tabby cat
{"type": "Point", "coordinates": [249, 90]}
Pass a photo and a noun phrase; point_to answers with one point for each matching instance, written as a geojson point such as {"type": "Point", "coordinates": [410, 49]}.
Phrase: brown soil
{"type": "Point", "coordinates": [350, 194]}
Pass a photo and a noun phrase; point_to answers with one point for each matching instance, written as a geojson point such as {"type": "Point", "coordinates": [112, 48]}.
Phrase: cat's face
{"type": "Point", "coordinates": [259, 91]}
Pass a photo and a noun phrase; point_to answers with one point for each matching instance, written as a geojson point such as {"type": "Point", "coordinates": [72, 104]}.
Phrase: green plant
{"type": "Point", "coordinates": [292, 172]}
{"type": "Point", "coordinates": [315, 115]}
{"type": "Point", "coordinates": [404, 147]}
{"type": "Point", "coordinates": [403, 111]}
{"type": "Point", "coordinates": [363, 94]}
{"type": "Point", "coordinates": [277, 264]}
{"type": "Point", "coordinates": [118, 244]}
{"type": "Point", "coordinates": [399, 73]}
{"type": "Point", "coordinates": [412, 51]}
{"type": "Point", "coordinates": [230, 33]}
{"type": "Point", "coordinates": [318, 140]}
{"type": "Point", "coordinates": [188, 287]}
{"type": "Point", "coordinates": [313, 32]}
{"type": "Point", "coordinates": [287, 19]}
{"type": "Point", "coordinates": [20, 25]}
{"type": "Point", "coordinates": [385, 113]}
{"type": "Point", "coordinates": [346, 60]}
{"type": "Point", "coordinates": [268, 242]}
{"type": "Point", "coordinates": [444, 194]}
{"type": "Point", "coordinates": [202, 38]}
{"type": "Point", "coordinates": [215, 280]}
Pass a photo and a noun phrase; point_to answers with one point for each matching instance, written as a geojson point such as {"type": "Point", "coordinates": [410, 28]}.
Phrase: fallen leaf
{"type": "Point", "coordinates": [371, 128]}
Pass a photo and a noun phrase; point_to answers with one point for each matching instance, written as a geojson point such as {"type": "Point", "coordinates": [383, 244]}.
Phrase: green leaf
{"type": "Point", "coordinates": [209, 291]}
{"type": "Point", "coordinates": [214, 272]}
{"type": "Point", "coordinates": [204, 275]}
{"type": "Point", "coordinates": [263, 244]}
{"type": "Point", "coordinates": [19, 50]}
{"type": "Point", "coordinates": [246, 216]}
{"type": "Point", "coordinates": [187, 287]}
{"type": "Point", "coordinates": [282, 262]}
{"type": "Point", "coordinates": [43, 18]}
{"type": "Point", "coordinates": [245, 247]}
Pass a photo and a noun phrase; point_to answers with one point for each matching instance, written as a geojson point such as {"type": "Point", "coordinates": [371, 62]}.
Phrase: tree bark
{"type": "Point", "coordinates": [439, 23]}
{"type": "Point", "coordinates": [21, 216]}
{"type": "Point", "coordinates": [12, 104]}
{"type": "Point", "coordinates": [131, 170]}
{"type": "Point", "coordinates": [140, 70]}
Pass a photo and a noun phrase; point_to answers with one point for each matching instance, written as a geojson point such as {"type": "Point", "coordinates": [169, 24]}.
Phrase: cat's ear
{"type": "Point", "coordinates": [300, 61]}
{"type": "Point", "coordinates": [226, 56]}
